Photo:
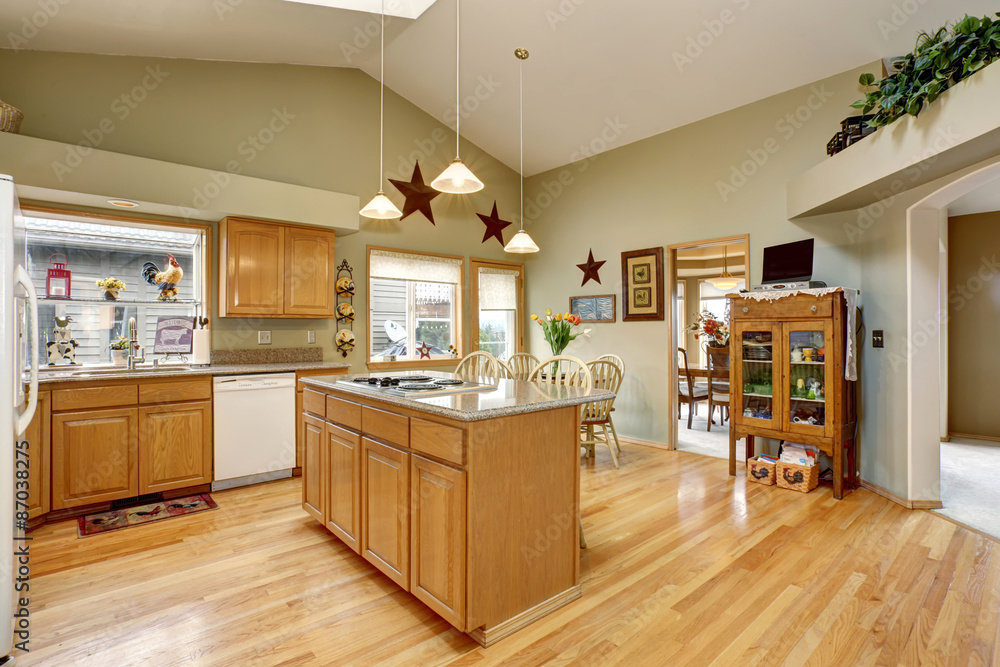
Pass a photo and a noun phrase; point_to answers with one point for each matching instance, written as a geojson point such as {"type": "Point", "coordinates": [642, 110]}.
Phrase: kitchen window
{"type": "Point", "coordinates": [414, 304]}
{"type": "Point", "coordinates": [498, 307]}
{"type": "Point", "coordinates": [97, 247]}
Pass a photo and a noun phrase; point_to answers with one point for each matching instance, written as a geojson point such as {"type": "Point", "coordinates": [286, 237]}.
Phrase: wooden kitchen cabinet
{"type": "Point", "coordinates": [175, 446]}
{"type": "Point", "coordinates": [343, 485]}
{"type": "Point", "coordinates": [385, 505]}
{"type": "Point", "coordinates": [310, 272]}
{"type": "Point", "coordinates": [438, 538]}
{"type": "Point", "coordinates": [94, 456]}
{"type": "Point", "coordinates": [273, 270]}
{"type": "Point", "coordinates": [39, 438]}
{"type": "Point", "coordinates": [314, 434]}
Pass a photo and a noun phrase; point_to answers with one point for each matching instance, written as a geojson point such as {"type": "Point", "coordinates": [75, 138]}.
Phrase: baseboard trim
{"type": "Point", "coordinates": [645, 443]}
{"type": "Point", "coordinates": [990, 438]}
{"type": "Point", "coordinates": [900, 500]}
{"type": "Point", "coordinates": [489, 636]}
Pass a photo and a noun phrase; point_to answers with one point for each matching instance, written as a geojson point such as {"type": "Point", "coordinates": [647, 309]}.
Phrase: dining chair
{"type": "Point", "coordinates": [606, 375]}
{"type": "Point", "coordinates": [620, 363]}
{"type": "Point", "coordinates": [691, 394]}
{"type": "Point", "coordinates": [521, 364]}
{"type": "Point", "coordinates": [504, 371]}
{"type": "Point", "coordinates": [480, 364]}
{"type": "Point", "coordinates": [562, 369]}
{"type": "Point", "coordinates": [718, 384]}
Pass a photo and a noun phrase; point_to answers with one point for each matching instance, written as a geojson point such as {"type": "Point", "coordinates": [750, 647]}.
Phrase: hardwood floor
{"type": "Point", "coordinates": [686, 566]}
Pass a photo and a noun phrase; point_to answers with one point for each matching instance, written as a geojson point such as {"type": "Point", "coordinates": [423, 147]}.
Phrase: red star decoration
{"type": "Point", "coordinates": [425, 351]}
{"type": "Point", "coordinates": [494, 225]}
{"type": "Point", "coordinates": [590, 269]}
{"type": "Point", "coordinates": [418, 196]}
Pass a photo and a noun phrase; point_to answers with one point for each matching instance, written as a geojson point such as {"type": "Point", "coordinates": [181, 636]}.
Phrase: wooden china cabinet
{"type": "Point", "coordinates": [787, 377]}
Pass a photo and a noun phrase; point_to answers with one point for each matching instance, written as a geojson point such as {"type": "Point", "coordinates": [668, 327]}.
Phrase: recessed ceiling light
{"type": "Point", "coordinates": [407, 9]}
{"type": "Point", "coordinates": [123, 203]}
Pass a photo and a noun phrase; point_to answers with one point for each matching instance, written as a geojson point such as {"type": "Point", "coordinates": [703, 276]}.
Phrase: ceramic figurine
{"type": "Point", "coordinates": [63, 346]}
{"type": "Point", "coordinates": [797, 354]}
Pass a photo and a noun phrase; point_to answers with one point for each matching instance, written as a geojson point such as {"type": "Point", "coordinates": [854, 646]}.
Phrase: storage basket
{"type": "Point", "coordinates": [761, 472]}
{"type": "Point", "coordinates": [796, 477]}
{"type": "Point", "coordinates": [10, 118]}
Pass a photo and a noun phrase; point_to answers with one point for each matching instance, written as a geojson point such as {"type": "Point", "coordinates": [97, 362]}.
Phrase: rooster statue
{"type": "Point", "coordinates": [167, 280]}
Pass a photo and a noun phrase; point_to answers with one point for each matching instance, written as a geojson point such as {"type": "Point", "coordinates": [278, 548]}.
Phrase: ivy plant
{"type": "Point", "coordinates": [940, 60]}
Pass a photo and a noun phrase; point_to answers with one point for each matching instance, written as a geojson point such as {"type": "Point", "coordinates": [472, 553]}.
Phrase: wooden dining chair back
{"type": "Point", "coordinates": [562, 369]}
{"type": "Point", "coordinates": [480, 364]}
{"type": "Point", "coordinates": [616, 360]}
{"type": "Point", "coordinates": [521, 364]}
{"type": "Point", "coordinates": [597, 415]}
{"type": "Point", "coordinates": [718, 384]}
{"type": "Point", "coordinates": [504, 371]}
{"type": "Point", "coordinates": [687, 391]}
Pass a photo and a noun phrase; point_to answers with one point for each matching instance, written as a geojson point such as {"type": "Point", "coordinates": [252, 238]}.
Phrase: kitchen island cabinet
{"type": "Point", "coordinates": [470, 501]}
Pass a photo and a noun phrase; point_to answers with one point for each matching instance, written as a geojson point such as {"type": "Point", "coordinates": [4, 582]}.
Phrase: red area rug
{"type": "Point", "coordinates": [103, 522]}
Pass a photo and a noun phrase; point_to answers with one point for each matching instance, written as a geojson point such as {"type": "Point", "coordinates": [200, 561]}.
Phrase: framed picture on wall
{"type": "Point", "coordinates": [599, 308]}
{"type": "Point", "coordinates": [642, 285]}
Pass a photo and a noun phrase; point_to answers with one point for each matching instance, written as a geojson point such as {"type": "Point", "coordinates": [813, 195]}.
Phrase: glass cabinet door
{"type": "Point", "coordinates": [755, 378]}
{"type": "Point", "coordinates": [808, 362]}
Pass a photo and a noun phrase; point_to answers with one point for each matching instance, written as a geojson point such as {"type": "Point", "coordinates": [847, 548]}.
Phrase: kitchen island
{"type": "Point", "coordinates": [468, 500]}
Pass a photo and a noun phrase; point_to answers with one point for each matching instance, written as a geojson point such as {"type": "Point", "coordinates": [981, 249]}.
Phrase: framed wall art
{"type": "Point", "coordinates": [599, 308]}
{"type": "Point", "coordinates": [642, 285]}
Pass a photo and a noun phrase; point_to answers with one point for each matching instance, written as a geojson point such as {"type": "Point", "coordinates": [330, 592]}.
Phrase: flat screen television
{"type": "Point", "coordinates": [788, 262]}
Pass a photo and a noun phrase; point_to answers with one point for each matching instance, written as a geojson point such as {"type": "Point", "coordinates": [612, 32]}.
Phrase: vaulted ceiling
{"type": "Point", "coordinates": [602, 73]}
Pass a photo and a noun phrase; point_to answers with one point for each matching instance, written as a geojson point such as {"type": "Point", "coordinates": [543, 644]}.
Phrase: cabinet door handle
{"type": "Point", "coordinates": [814, 309]}
{"type": "Point", "coordinates": [745, 309]}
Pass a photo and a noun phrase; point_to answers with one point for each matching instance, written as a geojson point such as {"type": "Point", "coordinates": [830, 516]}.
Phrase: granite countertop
{"type": "Point", "coordinates": [92, 373]}
{"type": "Point", "coordinates": [510, 397]}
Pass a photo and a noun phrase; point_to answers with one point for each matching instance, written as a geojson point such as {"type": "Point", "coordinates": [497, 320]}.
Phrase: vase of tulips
{"type": "Point", "coordinates": [558, 330]}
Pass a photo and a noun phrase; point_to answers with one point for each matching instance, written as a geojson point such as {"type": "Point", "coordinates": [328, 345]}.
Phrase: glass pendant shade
{"type": "Point", "coordinates": [724, 282]}
{"type": "Point", "coordinates": [381, 208]}
{"type": "Point", "coordinates": [521, 244]}
{"type": "Point", "coordinates": [457, 179]}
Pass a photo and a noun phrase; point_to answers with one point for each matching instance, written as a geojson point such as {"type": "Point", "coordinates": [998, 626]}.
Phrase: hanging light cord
{"type": "Point", "coordinates": [458, 51]}
{"type": "Point", "coordinates": [520, 87]}
{"type": "Point", "coordinates": [381, 96]}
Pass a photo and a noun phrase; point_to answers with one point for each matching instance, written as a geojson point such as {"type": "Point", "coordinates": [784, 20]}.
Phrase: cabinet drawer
{"type": "Point", "coordinates": [343, 412]}
{"type": "Point", "coordinates": [172, 392]}
{"type": "Point", "coordinates": [793, 307]}
{"type": "Point", "coordinates": [314, 403]}
{"type": "Point", "coordinates": [95, 397]}
{"type": "Point", "coordinates": [385, 426]}
{"type": "Point", "coordinates": [437, 440]}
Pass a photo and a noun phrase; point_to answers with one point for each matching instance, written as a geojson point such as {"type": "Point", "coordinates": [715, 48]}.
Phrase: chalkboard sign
{"type": "Point", "coordinates": [600, 308]}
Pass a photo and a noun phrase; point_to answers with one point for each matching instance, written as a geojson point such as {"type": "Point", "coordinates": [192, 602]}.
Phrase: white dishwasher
{"type": "Point", "coordinates": [254, 428]}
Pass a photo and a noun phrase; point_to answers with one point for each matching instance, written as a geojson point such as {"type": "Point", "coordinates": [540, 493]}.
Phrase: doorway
{"type": "Point", "coordinates": [695, 286]}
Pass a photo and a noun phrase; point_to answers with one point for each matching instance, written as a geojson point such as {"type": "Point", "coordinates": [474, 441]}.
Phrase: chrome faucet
{"type": "Point", "coordinates": [134, 346]}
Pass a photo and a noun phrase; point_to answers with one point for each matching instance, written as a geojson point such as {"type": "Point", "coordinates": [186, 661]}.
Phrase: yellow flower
{"type": "Point", "coordinates": [558, 316]}
{"type": "Point", "coordinates": [548, 311]}
{"type": "Point", "coordinates": [534, 317]}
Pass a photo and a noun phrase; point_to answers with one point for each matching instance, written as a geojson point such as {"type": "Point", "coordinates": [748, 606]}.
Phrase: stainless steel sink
{"type": "Point", "coordinates": [104, 372]}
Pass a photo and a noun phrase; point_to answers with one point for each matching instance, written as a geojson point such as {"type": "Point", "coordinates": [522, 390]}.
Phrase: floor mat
{"type": "Point", "coordinates": [103, 522]}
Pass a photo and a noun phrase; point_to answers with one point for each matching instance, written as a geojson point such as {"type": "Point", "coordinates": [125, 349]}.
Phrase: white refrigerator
{"type": "Point", "coordinates": [19, 332]}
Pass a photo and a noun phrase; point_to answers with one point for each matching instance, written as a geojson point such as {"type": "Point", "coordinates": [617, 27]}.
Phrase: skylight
{"type": "Point", "coordinates": [407, 9]}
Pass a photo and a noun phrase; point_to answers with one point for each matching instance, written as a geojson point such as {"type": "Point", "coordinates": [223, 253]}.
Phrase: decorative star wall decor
{"type": "Point", "coordinates": [418, 196]}
{"type": "Point", "coordinates": [590, 269]}
{"type": "Point", "coordinates": [425, 350]}
{"type": "Point", "coordinates": [494, 225]}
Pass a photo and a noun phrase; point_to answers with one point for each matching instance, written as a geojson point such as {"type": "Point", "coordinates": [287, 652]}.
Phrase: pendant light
{"type": "Point", "coordinates": [726, 281]}
{"type": "Point", "coordinates": [521, 243]}
{"type": "Point", "coordinates": [381, 207]}
{"type": "Point", "coordinates": [457, 179]}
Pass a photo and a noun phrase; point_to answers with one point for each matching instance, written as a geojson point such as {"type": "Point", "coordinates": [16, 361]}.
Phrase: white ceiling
{"type": "Point", "coordinates": [600, 71]}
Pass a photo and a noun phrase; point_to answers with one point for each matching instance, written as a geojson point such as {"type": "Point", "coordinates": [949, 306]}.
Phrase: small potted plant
{"type": "Point", "coordinates": [111, 287]}
{"type": "Point", "coordinates": [119, 350]}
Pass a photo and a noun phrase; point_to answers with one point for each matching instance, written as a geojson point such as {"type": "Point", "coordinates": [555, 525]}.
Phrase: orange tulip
{"type": "Point", "coordinates": [558, 316]}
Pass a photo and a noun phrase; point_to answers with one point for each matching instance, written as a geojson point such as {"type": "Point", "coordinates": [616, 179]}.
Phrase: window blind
{"type": "Point", "coordinates": [497, 289]}
{"type": "Point", "coordinates": [404, 266]}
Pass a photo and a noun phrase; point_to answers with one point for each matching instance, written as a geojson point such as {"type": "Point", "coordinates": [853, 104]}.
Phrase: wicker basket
{"type": "Point", "coordinates": [10, 118]}
{"type": "Point", "coordinates": [761, 472]}
{"type": "Point", "coordinates": [796, 477]}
